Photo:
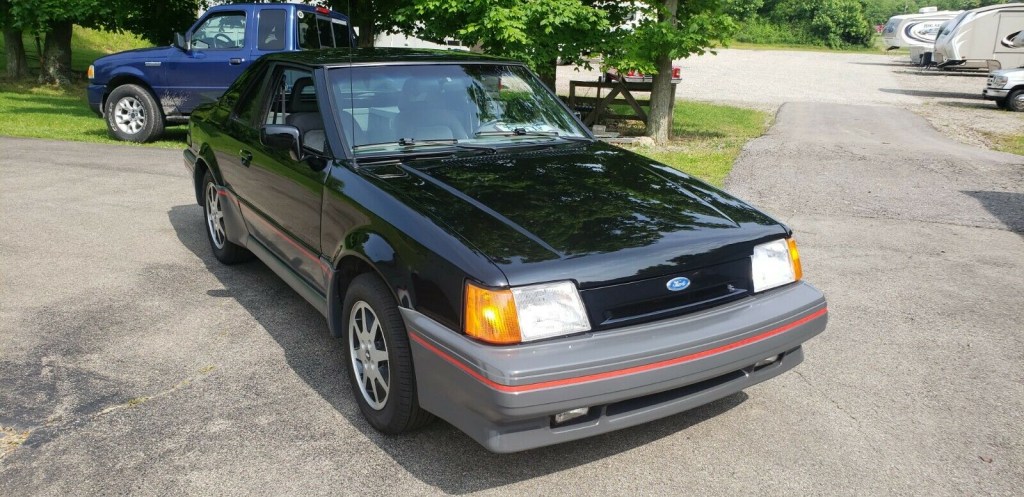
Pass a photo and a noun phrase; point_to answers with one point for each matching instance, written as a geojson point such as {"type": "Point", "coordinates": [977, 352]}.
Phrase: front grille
{"type": "Point", "coordinates": [649, 299]}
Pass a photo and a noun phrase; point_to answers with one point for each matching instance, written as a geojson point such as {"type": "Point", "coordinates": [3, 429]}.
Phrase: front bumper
{"type": "Point", "coordinates": [505, 397]}
{"type": "Point", "coordinates": [994, 94]}
{"type": "Point", "coordinates": [95, 95]}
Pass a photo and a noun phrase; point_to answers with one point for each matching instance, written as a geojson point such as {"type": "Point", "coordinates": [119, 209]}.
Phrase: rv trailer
{"type": "Point", "coordinates": [916, 32]}
{"type": "Point", "coordinates": [982, 38]}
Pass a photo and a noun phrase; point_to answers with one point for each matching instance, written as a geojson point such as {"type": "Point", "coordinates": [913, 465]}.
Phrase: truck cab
{"type": "Point", "coordinates": [138, 92]}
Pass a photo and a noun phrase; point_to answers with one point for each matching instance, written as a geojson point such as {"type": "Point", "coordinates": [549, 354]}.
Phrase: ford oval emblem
{"type": "Point", "coordinates": [677, 284]}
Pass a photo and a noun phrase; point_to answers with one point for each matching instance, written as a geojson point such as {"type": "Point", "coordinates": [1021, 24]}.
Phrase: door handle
{"type": "Point", "coordinates": [246, 157]}
{"type": "Point", "coordinates": [235, 61]}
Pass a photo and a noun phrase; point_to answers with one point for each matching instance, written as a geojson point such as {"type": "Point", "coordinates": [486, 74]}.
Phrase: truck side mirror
{"type": "Point", "coordinates": [282, 137]}
{"type": "Point", "coordinates": [183, 42]}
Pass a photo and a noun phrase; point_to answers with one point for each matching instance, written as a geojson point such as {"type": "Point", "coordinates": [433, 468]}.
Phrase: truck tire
{"type": "Point", "coordinates": [1015, 100]}
{"type": "Point", "coordinates": [133, 114]}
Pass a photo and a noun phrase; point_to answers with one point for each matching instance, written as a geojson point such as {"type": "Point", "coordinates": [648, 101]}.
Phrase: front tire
{"type": "Point", "coordinates": [378, 358]}
{"type": "Point", "coordinates": [1015, 100]}
{"type": "Point", "coordinates": [216, 229]}
{"type": "Point", "coordinates": [133, 114]}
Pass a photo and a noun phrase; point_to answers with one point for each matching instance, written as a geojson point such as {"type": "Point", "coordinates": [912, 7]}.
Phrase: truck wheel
{"type": "Point", "coordinates": [378, 358]}
{"type": "Point", "coordinates": [133, 114]}
{"type": "Point", "coordinates": [216, 229]}
{"type": "Point", "coordinates": [1015, 100]}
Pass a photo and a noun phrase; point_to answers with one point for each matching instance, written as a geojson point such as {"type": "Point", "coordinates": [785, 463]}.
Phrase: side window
{"type": "Point", "coordinates": [221, 31]}
{"type": "Point", "coordinates": [247, 89]}
{"type": "Point", "coordinates": [271, 29]}
{"type": "Point", "coordinates": [326, 33]}
{"type": "Point", "coordinates": [294, 102]}
{"type": "Point", "coordinates": [309, 35]}
{"type": "Point", "coordinates": [341, 36]}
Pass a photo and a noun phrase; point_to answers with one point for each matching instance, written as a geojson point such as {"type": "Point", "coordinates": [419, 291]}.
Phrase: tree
{"type": "Point", "coordinates": [538, 32]}
{"type": "Point", "coordinates": [668, 30]}
{"type": "Point", "coordinates": [17, 62]}
{"type": "Point", "coordinates": [56, 18]}
{"type": "Point", "coordinates": [370, 17]}
{"type": "Point", "coordinates": [157, 20]}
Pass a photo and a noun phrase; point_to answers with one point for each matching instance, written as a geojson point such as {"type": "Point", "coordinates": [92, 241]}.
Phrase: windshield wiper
{"type": "Point", "coordinates": [524, 132]}
{"type": "Point", "coordinates": [408, 144]}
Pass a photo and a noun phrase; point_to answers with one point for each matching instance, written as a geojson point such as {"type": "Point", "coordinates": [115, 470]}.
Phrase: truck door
{"type": "Point", "coordinates": [218, 55]}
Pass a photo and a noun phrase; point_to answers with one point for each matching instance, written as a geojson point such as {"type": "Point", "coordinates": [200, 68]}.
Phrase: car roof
{"type": "Point", "coordinates": [344, 56]}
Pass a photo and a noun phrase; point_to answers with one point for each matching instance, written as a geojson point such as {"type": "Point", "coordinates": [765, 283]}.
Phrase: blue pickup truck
{"type": "Point", "coordinates": [139, 91]}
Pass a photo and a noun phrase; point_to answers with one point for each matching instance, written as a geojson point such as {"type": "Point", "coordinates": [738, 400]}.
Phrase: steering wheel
{"type": "Point", "coordinates": [223, 41]}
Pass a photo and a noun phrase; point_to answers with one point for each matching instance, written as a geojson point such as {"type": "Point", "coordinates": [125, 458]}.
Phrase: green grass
{"type": "Point", "coordinates": [1013, 144]}
{"type": "Point", "coordinates": [877, 47]}
{"type": "Point", "coordinates": [707, 138]}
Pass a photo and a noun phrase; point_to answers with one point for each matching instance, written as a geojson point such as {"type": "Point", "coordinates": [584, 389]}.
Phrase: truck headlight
{"type": "Point", "coordinates": [775, 263]}
{"type": "Point", "coordinates": [524, 314]}
{"type": "Point", "coordinates": [91, 73]}
{"type": "Point", "coordinates": [999, 81]}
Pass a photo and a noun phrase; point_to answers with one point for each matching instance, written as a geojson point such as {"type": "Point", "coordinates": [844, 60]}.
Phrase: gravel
{"type": "Point", "coordinates": [950, 100]}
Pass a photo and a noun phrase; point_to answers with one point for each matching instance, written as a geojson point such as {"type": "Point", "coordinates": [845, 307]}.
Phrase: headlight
{"type": "Point", "coordinates": [775, 264]}
{"type": "Point", "coordinates": [91, 73]}
{"type": "Point", "coordinates": [999, 81]}
{"type": "Point", "coordinates": [524, 314]}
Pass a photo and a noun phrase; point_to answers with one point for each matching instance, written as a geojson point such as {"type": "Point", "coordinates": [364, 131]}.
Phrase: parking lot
{"type": "Point", "coordinates": [135, 363]}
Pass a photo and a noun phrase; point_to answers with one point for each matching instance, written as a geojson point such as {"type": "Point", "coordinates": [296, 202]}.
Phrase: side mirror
{"type": "Point", "coordinates": [183, 42]}
{"type": "Point", "coordinates": [282, 137]}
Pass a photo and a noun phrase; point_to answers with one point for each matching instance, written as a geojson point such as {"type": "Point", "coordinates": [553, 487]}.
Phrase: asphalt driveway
{"type": "Point", "coordinates": [137, 364]}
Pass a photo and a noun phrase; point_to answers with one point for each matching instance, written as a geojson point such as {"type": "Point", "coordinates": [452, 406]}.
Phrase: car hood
{"type": "Point", "coordinates": [589, 212]}
{"type": "Point", "coordinates": [151, 53]}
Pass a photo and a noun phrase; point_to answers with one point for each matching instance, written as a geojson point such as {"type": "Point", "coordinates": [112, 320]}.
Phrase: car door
{"type": "Point", "coordinates": [282, 193]}
{"type": "Point", "coordinates": [218, 54]}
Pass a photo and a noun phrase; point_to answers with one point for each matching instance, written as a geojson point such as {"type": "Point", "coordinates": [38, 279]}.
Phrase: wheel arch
{"type": "Point", "coordinates": [204, 163]}
{"type": "Point", "coordinates": [128, 78]}
{"type": "Point", "coordinates": [366, 252]}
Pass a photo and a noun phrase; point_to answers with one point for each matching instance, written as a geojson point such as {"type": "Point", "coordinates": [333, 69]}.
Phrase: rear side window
{"type": "Point", "coordinates": [271, 29]}
{"type": "Point", "coordinates": [317, 32]}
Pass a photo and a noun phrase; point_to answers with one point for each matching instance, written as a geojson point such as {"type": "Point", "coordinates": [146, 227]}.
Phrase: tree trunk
{"type": "Point", "coordinates": [367, 31]}
{"type": "Point", "coordinates": [659, 122]}
{"type": "Point", "coordinates": [548, 73]}
{"type": "Point", "coordinates": [57, 54]}
{"type": "Point", "coordinates": [17, 62]}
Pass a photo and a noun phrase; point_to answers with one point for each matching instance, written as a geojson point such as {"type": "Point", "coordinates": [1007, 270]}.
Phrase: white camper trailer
{"type": "Point", "coordinates": [916, 32]}
{"type": "Point", "coordinates": [982, 38]}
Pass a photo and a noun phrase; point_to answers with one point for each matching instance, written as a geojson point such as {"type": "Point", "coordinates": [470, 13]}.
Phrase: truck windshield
{"type": "Point", "coordinates": [396, 107]}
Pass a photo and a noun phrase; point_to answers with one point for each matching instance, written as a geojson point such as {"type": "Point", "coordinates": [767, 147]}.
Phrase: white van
{"type": "Point", "coordinates": [982, 38]}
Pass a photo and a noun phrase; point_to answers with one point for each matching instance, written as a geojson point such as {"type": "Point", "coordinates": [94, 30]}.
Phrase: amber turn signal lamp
{"type": "Point", "coordinates": [491, 315]}
{"type": "Point", "coordinates": [794, 255]}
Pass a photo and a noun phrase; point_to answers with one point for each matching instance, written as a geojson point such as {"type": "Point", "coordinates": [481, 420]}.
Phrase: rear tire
{"type": "Point", "coordinates": [378, 358]}
{"type": "Point", "coordinates": [1015, 100]}
{"type": "Point", "coordinates": [133, 114]}
{"type": "Point", "coordinates": [216, 229]}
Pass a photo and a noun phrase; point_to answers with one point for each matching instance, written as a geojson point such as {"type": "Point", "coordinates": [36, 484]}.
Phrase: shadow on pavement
{"type": "Point", "coordinates": [934, 94]}
{"type": "Point", "coordinates": [939, 72]}
{"type": "Point", "coordinates": [1008, 207]}
{"type": "Point", "coordinates": [439, 455]}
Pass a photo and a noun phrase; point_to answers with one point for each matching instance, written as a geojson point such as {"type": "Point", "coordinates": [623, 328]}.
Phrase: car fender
{"type": "Point", "coordinates": [365, 251]}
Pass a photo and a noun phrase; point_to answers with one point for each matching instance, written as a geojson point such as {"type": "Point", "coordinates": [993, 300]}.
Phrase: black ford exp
{"type": "Point", "coordinates": [483, 258]}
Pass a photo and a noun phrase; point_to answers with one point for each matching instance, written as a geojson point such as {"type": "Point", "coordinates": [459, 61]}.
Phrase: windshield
{"type": "Point", "coordinates": [395, 107]}
{"type": "Point", "coordinates": [951, 25]}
